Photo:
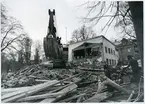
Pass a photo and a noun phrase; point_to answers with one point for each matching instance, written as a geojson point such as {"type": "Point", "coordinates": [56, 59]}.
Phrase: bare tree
{"type": "Point", "coordinates": [127, 14]}
{"type": "Point", "coordinates": [24, 51]}
{"type": "Point", "coordinates": [38, 51]}
{"type": "Point", "coordinates": [115, 10]}
{"type": "Point", "coordinates": [83, 33]}
{"type": "Point", "coordinates": [11, 30]}
{"type": "Point", "coordinates": [75, 36]}
{"type": "Point", "coordinates": [36, 56]}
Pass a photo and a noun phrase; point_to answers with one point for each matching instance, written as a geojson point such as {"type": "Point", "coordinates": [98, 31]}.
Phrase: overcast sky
{"type": "Point", "coordinates": [33, 15]}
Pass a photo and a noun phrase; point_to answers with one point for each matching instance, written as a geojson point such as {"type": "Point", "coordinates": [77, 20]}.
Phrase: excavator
{"type": "Point", "coordinates": [53, 47]}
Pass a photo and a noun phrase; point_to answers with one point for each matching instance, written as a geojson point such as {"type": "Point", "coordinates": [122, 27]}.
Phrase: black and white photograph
{"type": "Point", "coordinates": [72, 51]}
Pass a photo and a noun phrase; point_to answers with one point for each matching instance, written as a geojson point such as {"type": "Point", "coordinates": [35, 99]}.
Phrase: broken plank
{"type": "Point", "coordinates": [71, 98]}
{"type": "Point", "coordinates": [131, 95]}
{"type": "Point", "coordinates": [26, 89]}
{"type": "Point", "coordinates": [108, 81]}
{"type": "Point", "coordinates": [99, 97]}
{"type": "Point", "coordinates": [40, 80]}
{"type": "Point", "coordinates": [63, 96]}
{"type": "Point", "coordinates": [37, 97]}
{"type": "Point", "coordinates": [28, 92]}
{"type": "Point", "coordinates": [14, 89]}
{"type": "Point", "coordinates": [43, 96]}
{"type": "Point", "coordinates": [47, 100]}
{"type": "Point", "coordinates": [33, 90]}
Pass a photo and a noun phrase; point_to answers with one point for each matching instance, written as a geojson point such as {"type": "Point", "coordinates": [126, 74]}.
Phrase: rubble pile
{"type": "Point", "coordinates": [35, 75]}
{"type": "Point", "coordinates": [92, 63]}
{"type": "Point", "coordinates": [37, 83]}
{"type": "Point", "coordinates": [31, 75]}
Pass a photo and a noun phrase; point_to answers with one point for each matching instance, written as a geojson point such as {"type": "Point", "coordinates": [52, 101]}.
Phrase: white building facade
{"type": "Point", "coordinates": [107, 50]}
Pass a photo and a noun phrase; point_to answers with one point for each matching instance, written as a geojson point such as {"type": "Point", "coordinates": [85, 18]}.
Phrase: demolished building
{"type": "Point", "coordinates": [98, 47]}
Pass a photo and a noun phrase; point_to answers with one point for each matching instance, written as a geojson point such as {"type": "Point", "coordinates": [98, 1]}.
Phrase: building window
{"type": "Point", "coordinates": [107, 61]}
{"type": "Point", "coordinates": [109, 50]}
{"type": "Point", "coordinates": [106, 49]}
{"type": "Point", "coordinates": [110, 61]}
{"type": "Point", "coordinates": [115, 62]}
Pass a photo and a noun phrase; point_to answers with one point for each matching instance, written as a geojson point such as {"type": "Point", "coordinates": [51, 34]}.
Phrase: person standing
{"type": "Point", "coordinates": [135, 68]}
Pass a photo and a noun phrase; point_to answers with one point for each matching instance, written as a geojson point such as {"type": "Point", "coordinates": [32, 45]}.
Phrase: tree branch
{"type": "Point", "coordinates": [9, 43]}
{"type": "Point", "coordinates": [6, 36]}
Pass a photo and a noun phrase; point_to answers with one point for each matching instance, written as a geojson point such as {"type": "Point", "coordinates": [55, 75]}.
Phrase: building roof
{"type": "Point", "coordinates": [94, 38]}
{"type": "Point", "coordinates": [87, 45]}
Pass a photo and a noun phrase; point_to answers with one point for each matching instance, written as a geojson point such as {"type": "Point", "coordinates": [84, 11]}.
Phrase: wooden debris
{"type": "Point", "coordinates": [19, 94]}
{"type": "Point", "coordinates": [36, 83]}
{"type": "Point", "coordinates": [43, 96]}
{"type": "Point", "coordinates": [140, 97]}
{"type": "Point", "coordinates": [113, 84]}
{"type": "Point", "coordinates": [33, 90]}
{"type": "Point", "coordinates": [47, 100]}
{"type": "Point", "coordinates": [9, 90]}
{"type": "Point", "coordinates": [73, 97]}
{"type": "Point", "coordinates": [131, 95]}
{"type": "Point", "coordinates": [99, 97]}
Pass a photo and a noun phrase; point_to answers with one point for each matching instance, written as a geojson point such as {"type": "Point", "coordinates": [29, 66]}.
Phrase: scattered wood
{"type": "Point", "coordinates": [108, 81]}
{"type": "Point", "coordinates": [9, 90]}
{"type": "Point", "coordinates": [86, 83]}
{"type": "Point", "coordinates": [64, 96]}
{"type": "Point", "coordinates": [100, 85]}
{"type": "Point", "coordinates": [17, 95]}
{"type": "Point", "coordinates": [131, 95]}
{"type": "Point", "coordinates": [79, 99]}
{"type": "Point", "coordinates": [43, 96]}
{"type": "Point", "coordinates": [72, 98]}
{"type": "Point", "coordinates": [47, 100]}
{"type": "Point", "coordinates": [140, 97]}
{"type": "Point", "coordinates": [28, 92]}
{"type": "Point", "coordinates": [63, 85]}
{"type": "Point", "coordinates": [40, 80]}
{"type": "Point", "coordinates": [99, 97]}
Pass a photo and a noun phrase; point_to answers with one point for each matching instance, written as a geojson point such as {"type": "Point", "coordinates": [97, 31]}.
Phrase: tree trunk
{"type": "Point", "coordinates": [136, 8]}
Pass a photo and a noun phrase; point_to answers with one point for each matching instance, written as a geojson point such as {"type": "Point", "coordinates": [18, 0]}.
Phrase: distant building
{"type": "Point", "coordinates": [127, 47]}
{"type": "Point", "coordinates": [93, 47]}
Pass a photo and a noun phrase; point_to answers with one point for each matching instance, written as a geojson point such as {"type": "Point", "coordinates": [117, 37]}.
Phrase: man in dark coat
{"type": "Point", "coordinates": [135, 68]}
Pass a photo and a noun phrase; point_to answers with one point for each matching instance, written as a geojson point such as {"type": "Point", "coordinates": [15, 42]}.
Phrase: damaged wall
{"type": "Point", "coordinates": [109, 55]}
{"type": "Point", "coordinates": [74, 45]}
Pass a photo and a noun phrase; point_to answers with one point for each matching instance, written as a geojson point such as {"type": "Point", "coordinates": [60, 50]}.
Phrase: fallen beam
{"type": "Point", "coordinates": [43, 96]}
{"type": "Point", "coordinates": [108, 81]}
{"type": "Point", "coordinates": [131, 95]}
{"type": "Point", "coordinates": [20, 94]}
